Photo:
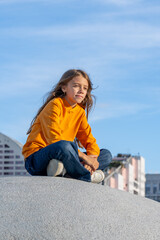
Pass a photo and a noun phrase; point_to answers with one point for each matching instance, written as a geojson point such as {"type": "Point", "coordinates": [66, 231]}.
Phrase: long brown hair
{"type": "Point", "coordinates": [87, 103]}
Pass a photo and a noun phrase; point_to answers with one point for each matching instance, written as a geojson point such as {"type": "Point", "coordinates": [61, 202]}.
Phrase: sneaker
{"type": "Point", "coordinates": [97, 176]}
{"type": "Point", "coordinates": [55, 168]}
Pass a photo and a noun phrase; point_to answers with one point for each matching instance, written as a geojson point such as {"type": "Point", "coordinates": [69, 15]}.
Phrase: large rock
{"type": "Point", "coordinates": [44, 208]}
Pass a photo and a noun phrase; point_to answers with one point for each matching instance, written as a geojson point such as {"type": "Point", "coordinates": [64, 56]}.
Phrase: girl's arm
{"type": "Point", "coordinates": [85, 136]}
{"type": "Point", "coordinates": [50, 122]}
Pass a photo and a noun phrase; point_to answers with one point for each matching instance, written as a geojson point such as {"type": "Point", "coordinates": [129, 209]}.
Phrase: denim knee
{"type": "Point", "coordinates": [107, 155]}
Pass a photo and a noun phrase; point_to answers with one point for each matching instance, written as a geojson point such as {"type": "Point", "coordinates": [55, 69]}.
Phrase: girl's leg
{"type": "Point", "coordinates": [104, 159]}
{"type": "Point", "coordinates": [64, 151]}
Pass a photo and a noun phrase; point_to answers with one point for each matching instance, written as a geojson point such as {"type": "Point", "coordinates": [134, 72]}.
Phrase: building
{"type": "Point", "coordinates": [11, 158]}
{"type": "Point", "coordinates": [153, 186]}
{"type": "Point", "coordinates": [127, 173]}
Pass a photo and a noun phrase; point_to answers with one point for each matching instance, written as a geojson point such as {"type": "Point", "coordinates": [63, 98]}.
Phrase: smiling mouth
{"type": "Point", "coordinates": [79, 96]}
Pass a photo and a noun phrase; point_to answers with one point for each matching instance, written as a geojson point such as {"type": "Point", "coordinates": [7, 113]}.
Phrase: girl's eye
{"type": "Point", "coordinates": [77, 85]}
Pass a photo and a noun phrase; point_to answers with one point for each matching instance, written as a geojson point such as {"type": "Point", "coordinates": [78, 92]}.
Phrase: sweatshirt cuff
{"type": "Point", "coordinates": [92, 152]}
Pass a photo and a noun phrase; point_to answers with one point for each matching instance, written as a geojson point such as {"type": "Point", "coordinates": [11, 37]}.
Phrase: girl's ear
{"type": "Point", "coordinates": [63, 88]}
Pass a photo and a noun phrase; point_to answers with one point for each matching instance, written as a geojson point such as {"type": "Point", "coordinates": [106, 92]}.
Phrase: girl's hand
{"type": "Point", "coordinates": [94, 163]}
{"type": "Point", "coordinates": [89, 168]}
{"type": "Point", "coordinates": [90, 161]}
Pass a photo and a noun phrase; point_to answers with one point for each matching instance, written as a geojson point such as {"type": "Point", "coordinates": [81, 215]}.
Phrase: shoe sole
{"type": "Point", "coordinates": [96, 180]}
{"type": "Point", "coordinates": [55, 168]}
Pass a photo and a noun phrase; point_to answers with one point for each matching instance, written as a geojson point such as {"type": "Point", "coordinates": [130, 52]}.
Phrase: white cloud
{"type": "Point", "coordinates": [30, 1]}
{"type": "Point", "coordinates": [114, 2]}
{"type": "Point", "coordinates": [119, 2]}
{"type": "Point", "coordinates": [116, 110]}
{"type": "Point", "coordinates": [30, 76]}
{"type": "Point", "coordinates": [23, 79]}
{"type": "Point", "coordinates": [128, 34]}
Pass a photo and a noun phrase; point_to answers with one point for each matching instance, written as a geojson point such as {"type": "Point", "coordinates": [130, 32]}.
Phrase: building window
{"type": "Point", "coordinates": [154, 190]}
{"type": "Point", "coordinates": [19, 162]}
{"type": "Point", "coordinates": [7, 156]}
{"type": "Point", "coordinates": [7, 162]}
{"type": "Point", "coordinates": [1, 151]}
{"type": "Point", "coordinates": [20, 168]}
{"type": "Point", "coordinates": [9, 151]}
{"type": "Point", "coordinates": [148, 189]}
{"type": "Point", "coordinates": [8, 167]}
{"type": "Point", "coordinates": [1, 146]}
{"type": "Point", "coordinates": [135, 185]}
{"type": "Point", "coordinates": [8, 173]}
{"type": "Point", "coordinates": [6, 146]}
{"type": "Point", "coordinates": [17, 156]}
{"type": "Point", "coordinates": [135, 192]}
{"type": "Point", "coordinates": [19, 174]}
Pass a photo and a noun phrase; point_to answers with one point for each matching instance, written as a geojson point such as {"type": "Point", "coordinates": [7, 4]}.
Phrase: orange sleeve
{"type": "Point", "coordinates": [50, 122]}
{"type": "Point", "coordinates": [85, 136]}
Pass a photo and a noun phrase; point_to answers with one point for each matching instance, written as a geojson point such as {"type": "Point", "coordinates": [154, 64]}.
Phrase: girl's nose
{"type": "Point", "coordinates": [81, 89]}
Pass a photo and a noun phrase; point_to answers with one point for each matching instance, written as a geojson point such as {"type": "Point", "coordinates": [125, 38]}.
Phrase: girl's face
{"type": "Point", "coordinates": [75, 90]}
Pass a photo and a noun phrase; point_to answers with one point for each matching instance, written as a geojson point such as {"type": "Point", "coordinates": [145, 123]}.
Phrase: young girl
{"type": "Point", "coordinates": [50, 148]}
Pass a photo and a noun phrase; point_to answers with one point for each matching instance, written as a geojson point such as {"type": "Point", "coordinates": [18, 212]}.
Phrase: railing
{"type": "Point", "coordinates": [117, 170]}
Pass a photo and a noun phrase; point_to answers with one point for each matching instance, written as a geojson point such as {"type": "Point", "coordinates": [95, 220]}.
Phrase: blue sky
{"type": "Point", "coordinates": [117, 42]}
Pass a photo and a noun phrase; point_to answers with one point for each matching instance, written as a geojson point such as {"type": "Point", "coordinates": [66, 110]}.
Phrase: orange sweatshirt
{"type": "Point", "coordinates": [59, 121]}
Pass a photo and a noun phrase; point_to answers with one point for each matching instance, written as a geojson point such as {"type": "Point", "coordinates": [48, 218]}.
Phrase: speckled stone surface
{"type": "Point", "coordinates": [45, 208]}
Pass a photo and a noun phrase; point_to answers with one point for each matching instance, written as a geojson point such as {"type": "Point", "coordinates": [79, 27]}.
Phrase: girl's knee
{"type": "Point", "coordinates": [106, 154]}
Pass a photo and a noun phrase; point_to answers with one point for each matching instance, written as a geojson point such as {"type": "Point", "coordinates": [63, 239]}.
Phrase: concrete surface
{"type": "Point", "coordinates": [45, 208]}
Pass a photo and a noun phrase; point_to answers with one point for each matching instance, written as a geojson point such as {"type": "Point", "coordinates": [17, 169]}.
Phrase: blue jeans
{"type": "Point", "coordinates": [66, 152]}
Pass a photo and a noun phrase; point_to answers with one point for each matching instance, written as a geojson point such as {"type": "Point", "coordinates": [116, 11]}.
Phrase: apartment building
{"type": "Point", "coordinates": [127, 173]}
{"type": "Point", "coordinates": [153, 186]}
{"type": "Point", "coordinates": [11, 159]}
